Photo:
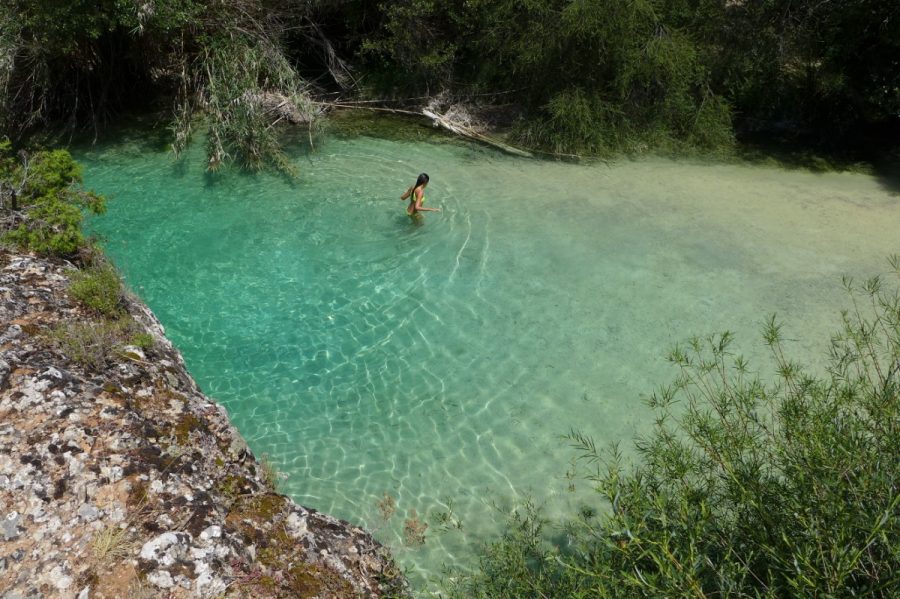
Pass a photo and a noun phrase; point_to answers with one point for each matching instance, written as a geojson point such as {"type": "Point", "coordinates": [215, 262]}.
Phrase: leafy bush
{"type": "Point", "coordinates": [98, 288]}
{"type": "Point", "coordinates": [76, 63]}
{"type": "Point", "coordinates": [786, 488]}
{"type": "Point", "coordinates": [42, 201]}
{"type": "Point", "coordinates": [588, 76]}
{"type": "Point", "coordinates": [52, 226]}
{"type": "Point", "coordinates": [233, 80]}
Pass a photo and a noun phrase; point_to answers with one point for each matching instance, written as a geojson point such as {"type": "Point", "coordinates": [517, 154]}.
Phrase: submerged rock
{"type": "Point", "coordinates": [125, 480]}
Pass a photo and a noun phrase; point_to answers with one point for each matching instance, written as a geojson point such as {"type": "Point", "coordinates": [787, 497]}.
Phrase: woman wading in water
{"type": "Point", "coordinates": [416, 196]}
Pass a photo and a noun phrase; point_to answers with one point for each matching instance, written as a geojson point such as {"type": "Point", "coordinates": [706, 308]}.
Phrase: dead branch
{"type": "Point", "coordinates": [442, 121]}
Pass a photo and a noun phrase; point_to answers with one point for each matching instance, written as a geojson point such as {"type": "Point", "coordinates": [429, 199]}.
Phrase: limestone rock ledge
{"type": "Point", "coordinates": [126, 481]}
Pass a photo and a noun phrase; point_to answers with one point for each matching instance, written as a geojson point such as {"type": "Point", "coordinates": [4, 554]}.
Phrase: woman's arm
{"type": "Point", "coordinates": [420, 207]}
{"type": "Point", "coordinates": [406, 193]}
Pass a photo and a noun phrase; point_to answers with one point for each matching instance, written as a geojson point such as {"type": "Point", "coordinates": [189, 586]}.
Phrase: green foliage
{"type": "Point", "coordinates": [241, 80]}
{"type": "Point", "coordinates": [98, 343]}
{"type": "Point", "coordinates": [142, 340]}
{"type": "Point", "coordinates": [821, 68]}
{"type": "Point", "coordinates": [41, 201]}
{"type": "Point", "coordinates": [7, 161]}
{"type": "Point", "coordinates": [594, 76]}
{"type": "Point", "coordinates": [52, 226]}
{"type": "Point", "coordinates": [599, 76]}
{"type": "Point", "coordinates": [423, 37]}
{"type": "Point", "coordinates": [75, 63]}
{"type": "Point", "coordinates": [589, 76]}
{"type": "Point", "coordinates": [785, 488]}
{"type": "Point", "coordinates": [98, 288]}
{"type": "Point", "coordinates": [50, 171]}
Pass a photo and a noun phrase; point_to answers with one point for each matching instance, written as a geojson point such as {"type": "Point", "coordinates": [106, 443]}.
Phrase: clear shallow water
{"type": "Point", "coordinates": [366, 354]}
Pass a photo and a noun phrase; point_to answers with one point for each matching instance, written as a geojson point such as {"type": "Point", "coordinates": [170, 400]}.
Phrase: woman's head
{"type": "Point", "coordinates": [422, 180]}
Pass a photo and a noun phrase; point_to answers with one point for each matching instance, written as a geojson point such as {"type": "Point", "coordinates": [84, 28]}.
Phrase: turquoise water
{"type": "Point", "coordinates": [441, 361]}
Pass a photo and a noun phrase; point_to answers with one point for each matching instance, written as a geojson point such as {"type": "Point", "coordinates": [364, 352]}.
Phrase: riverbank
{"type": "Point", "coordinates": [127, 481]}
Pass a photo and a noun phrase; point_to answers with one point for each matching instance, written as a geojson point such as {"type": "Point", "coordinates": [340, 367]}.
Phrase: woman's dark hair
{"type": "Point", "coordinates": [422, 180]}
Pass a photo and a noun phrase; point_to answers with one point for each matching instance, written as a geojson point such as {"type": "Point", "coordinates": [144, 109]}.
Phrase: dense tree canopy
{"type": "Point", "coordinates": [80, 62]}
{"type": "Point", "coordinates": [593, 73]}
{"type": "Point", "coordinates": [575, 75]}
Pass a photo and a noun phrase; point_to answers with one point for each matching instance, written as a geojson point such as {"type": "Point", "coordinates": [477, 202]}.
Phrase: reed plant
{"type": "Point", "coordinates": [246, 86]}
{"type": "Point", "coordinates": [786, 486]}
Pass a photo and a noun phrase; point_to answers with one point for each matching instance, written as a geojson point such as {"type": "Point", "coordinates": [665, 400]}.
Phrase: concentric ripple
{"type": "Point", "coordinates": [440, 362]}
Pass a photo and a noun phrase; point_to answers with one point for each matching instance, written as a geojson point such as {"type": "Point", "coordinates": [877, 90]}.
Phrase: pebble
{"type": "Point", "coordinates": [88, 512]}
{"type": "Point", "coordinates": [161, 579]}
{"type": "Point", "coordinates": [10, 526]}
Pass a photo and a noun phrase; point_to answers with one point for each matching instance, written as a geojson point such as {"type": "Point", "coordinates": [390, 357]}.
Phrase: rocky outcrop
{"type": "Point", "coordinates": [126, 481]}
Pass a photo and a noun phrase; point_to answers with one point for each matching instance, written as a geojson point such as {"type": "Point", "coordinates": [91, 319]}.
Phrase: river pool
{"type": "Point", "coordinates": [441, 361]}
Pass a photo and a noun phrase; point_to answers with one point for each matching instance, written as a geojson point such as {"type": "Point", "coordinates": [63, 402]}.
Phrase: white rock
{"type": "Point", "coordinates": [133, 352]}
{"type": "Point", "coordinates": [165, 521]}
{"type": "Point", "coordinates": [212, 532]}
{"type": "Point", "coordinates": [296, 526]}
{"type": "Point", "coordinates": [209, 585]}
{"type": "Point", "coordinates": [59, 578]}
{"type": "Point", "coordinates": [88, 512]}
{"type": "Point", "coordinates": [38, 514]}
{"type": "Point", "coordinates": [117, 512]}
{"type": "Point", "coordinates": [113, 473]}
{"type": "Point", "coordinates": [53, 372]}
{"type": "Point", "coordinates": [223, 551]}
{"type": "Point", "coordinates": [54, 524]}
{"type": "Point", "coordinates": [76, 466]}
{"type": "Point", "coordinates": [160, 579]}
{"type": "Point", "coordinates": [11, 526]}
{"type": "Point", "coordinates": [200, 553]}
{"type": "Point", "coordinates": [165, 549]}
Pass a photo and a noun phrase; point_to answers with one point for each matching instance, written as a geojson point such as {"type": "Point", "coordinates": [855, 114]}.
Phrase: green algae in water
{"type": "Point", "coordinates": [441, 361]}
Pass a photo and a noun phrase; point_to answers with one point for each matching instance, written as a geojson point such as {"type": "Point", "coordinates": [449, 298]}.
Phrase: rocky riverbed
{"type": "Point", "coordinates": [123, 480]}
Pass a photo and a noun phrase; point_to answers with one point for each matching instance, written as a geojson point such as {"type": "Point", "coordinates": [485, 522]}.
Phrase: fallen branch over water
{"type": "Point", "coordinates": [471, 134]}
{"type": "Point", "coordinates": [449, 125]}
{"type": "Point", "coordinates": [441, 121]}
{"type": "Point", "coordinates": [362, 107]}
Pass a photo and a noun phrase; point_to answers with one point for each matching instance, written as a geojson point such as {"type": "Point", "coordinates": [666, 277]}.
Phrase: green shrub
{"type": "Point", "coordinates": [50, 171]}
{"type": "Point", "coordinates": [142, 340]}
{"type": "Point", "coordinates": [46, 201]}
{"type": "Point", "coordinates": [98, 288]}
{"type": "Point", "coordinates": [746, 487]}
{"type": "Point", "coordinates": [93, 344]}
{"type": "Point", "coordinates": [52, 226]}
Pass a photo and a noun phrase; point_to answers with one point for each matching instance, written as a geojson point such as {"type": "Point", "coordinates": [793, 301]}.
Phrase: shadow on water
{"type": "Point", "coordinates": [349, 124]}
{"type": "Point", "coordinates": [229, 174]}
{"type": "Point", "coordinates": [873, 150]}
{"type": "Point", "coordinates": [887, 171]}
{"type": "Point", "coordinates": [142, 133]}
